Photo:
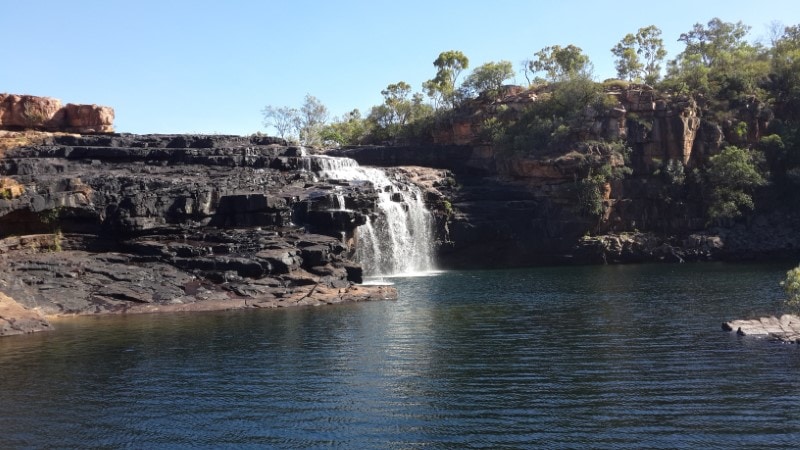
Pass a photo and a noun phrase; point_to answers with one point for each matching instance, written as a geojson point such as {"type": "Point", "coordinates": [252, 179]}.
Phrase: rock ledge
{"type": "Point", "coordinates": [786, 329]}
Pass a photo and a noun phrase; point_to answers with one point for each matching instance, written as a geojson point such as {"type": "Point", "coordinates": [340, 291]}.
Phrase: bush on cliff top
{"type": "Point", "coordinates": [556, 119]}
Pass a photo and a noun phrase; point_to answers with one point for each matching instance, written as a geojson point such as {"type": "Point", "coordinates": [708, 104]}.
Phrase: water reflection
{"type": "Point", "coordinates": [552, 357]}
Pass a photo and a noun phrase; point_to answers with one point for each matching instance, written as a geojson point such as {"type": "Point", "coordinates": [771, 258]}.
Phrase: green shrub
{"type": "Point", "coordinates": [733, 175]}
{"type": "Point", "coordinates": [741, 130]}
{"type": "Point", "coordinates": [50, 216]}
{"type": "Point", "coordinates": [447, 207]}
{"type": "Point", "coordinates": [590, 194]}
{"type": "Point", "coordinates": [613, 83]}
{"type": "Point", "coordinates": [492, 130]}
{"type": "Point", "coordinates": [58, 237]}
{"type": "Point", "coordinates": [791, 285]}
{"type": "Point", "coordinates": [635, 119]}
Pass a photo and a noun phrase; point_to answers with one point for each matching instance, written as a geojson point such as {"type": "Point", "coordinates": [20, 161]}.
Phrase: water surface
{"type": "Point", "coordinates": [611, 357]}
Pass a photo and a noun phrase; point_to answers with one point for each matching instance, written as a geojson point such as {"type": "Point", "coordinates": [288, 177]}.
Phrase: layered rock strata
{"type": "Point", "coordinates": [518, 207]}
{"type": "Point", "coordinates": [534, 217]}
{"type": "Point", "coordinates": [125, 223]}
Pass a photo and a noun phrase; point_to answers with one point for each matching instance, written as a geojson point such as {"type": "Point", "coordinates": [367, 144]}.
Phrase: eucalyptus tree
{"type": "Point", "coordinates": [560, 63]}
{"type": "Point", "coordinates": [442, 87]}
{"type": "Point", "coordinates": [639, 56]}
{"type": "Point", "coordinates": [733, 175]}
{"type": "Point", "coordinates": [718, 62]}
{"type": "Point", "coordinates": [283, 118]}
{"type": "Point", "coordinates": [398, 111]}
{"type": "Point", "coordinates": [312, 117]}
{"type": "Point", "coordinates": [716, 42]}
{"type": "Point", "coordinates": [488, 78]}
{"type": "Point", "coordinates": [395, 97]}
{"type": "Point", "coordinates": [785, 72]}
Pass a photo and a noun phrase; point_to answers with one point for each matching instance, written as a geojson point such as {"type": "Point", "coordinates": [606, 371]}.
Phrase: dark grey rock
{"type": "Point", "coordinates": [117, 223]}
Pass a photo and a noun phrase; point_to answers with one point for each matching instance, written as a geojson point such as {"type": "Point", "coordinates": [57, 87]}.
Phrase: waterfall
{"type": "Point", "coordinates": [340, 201]}
{"type": "Point", "coordinates": [399, 241]}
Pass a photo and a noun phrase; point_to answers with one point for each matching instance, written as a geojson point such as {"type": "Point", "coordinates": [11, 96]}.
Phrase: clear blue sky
{"type": "Point", "coordinates": [211, 66]}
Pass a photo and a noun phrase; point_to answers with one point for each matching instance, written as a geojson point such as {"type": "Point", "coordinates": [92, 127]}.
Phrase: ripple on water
{"type": "Point", "coordinates": [623, 357]}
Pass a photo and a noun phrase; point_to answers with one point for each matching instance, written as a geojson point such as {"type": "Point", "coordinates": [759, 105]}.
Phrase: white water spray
{"type": "Point", "coordinates": [399, 242]}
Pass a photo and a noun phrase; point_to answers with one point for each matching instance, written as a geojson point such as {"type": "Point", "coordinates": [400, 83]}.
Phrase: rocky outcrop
{"type": "Point", "coordinates": [657, 126]}
{"type": "Point", "coordinates": [783, 329]}
{"type": "Point", "coordinates": [123, 223]}
{"type": "Point", "coordinates": [527, 211]}
{"type": "Point", "coordinates": [510, 212]}
{"type": "Point", "coordinates": [464, 159]}
{"type": "Point", "coordinates": [536, 207]}
{"type": "Point", "coordinates": [637, 247]}
{"type": "Point", "coordinates": [23, 112]}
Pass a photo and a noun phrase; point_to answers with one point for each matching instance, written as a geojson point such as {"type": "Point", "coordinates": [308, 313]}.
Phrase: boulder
{"type": "Point", "coordinates": [29, 112]}
{"type": "Point", "coordinates": [89, 118]}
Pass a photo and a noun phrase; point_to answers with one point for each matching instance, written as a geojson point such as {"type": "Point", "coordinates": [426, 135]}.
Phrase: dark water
{"type": "Point", "coordinates": [586, 357]}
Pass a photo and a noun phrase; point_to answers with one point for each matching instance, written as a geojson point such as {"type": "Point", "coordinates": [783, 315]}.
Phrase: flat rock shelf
{"type": "Point", "coordinates": [784, 329]}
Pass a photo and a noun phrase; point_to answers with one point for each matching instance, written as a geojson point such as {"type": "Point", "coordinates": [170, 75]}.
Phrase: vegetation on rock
{"type": "Point", "coordinates": [732, 177]}
{"type": "Point", "coordinates": [791, 285]}
{"type": "Point", "coordinates": [727, 108]}
{"type": "Point", "coordinates": [488, 79]}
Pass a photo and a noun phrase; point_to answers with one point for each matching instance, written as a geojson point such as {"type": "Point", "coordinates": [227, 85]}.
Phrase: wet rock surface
{"type": "Point", "coordinates": [126, 223]}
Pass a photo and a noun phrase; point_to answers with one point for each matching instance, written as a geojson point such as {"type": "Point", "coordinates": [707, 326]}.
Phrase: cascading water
{"type": "Point", "coordinates": [399, 242]}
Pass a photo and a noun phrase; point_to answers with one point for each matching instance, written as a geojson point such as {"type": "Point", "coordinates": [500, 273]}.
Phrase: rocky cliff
{"type": "Point", "coordinates": [123, 223]}
{"type": "Point", "coordinates": [521, 208]}
{"type": "Point", "coordinates": [112, 223]}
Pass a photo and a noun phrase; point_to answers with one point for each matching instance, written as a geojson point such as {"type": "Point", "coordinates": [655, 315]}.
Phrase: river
{"type": "Point", "coordinates": [565, 357]}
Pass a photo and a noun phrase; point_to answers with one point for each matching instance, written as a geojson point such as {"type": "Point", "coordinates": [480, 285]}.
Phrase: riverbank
{"type": "Point", "coordinates": [87, 295]}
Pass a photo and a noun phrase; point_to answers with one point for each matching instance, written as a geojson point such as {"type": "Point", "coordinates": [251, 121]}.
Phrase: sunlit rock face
{"type": "Point", "coordinates": [496, 206]}
{"type": "Point", "coordinates": [29, 112]}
